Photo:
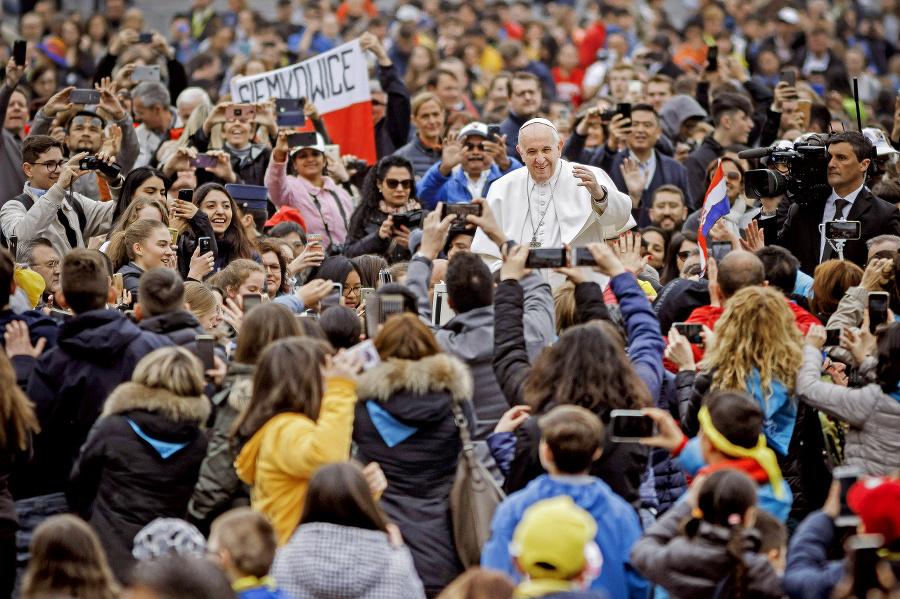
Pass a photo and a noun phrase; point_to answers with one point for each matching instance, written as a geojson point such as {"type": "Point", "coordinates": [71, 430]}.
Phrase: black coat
{"type": "Point", "coordinates": [139, 463]}
{"type": "Point", "coordinates": [420, 469]}
{"type": "Point", "coordinates": [363, 237]}
{"type": "Point", "coordinates": [800, 233]}
{"type": "Point", "coordinates": [181, 328]}
{"type": "Point", "coordinates": [69, 385]}
{"type": "Point", "coordinates": [696, 164]}
{"type": "Point", "coordinates": [392, 131]}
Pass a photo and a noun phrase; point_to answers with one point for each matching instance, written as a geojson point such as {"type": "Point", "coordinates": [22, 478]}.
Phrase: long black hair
{"type": "Point", "coordinates": [235, 243]}
{"type": "Point", "coordinates": [370, 194]}
{"type": "Point", "coordinates": [134, 180]}
{"type": "Point", "coordinates": [334, 268]}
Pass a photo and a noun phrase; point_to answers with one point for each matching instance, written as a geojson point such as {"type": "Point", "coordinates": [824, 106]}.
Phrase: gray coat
{"type": "Point", "coordinates": [10, 153]}
{"type": "Point", "coordinates": [691, 568]}
{"type": "Point", "coordinates": [872, 443]}
{"type": "Point", "coordinates": [421, 156]}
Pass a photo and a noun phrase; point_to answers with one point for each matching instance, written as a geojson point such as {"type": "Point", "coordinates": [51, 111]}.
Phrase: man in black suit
{"type": "Point", "coordinates": [850, 156]}
{"type": "Point", "coordinates": [640, 169]}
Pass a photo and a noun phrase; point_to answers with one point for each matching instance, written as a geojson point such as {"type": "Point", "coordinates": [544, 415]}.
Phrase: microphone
{"type": "Point", "coordinates": [754, 153]}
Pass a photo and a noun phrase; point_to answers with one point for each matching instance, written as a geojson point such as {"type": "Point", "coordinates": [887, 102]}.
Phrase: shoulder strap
{"type": "Point", "coordinates": [25, 199]}
{"type": "Point", "coordinates": [340, 206]}
{"type": "Point", "coordinates": [79, 210]}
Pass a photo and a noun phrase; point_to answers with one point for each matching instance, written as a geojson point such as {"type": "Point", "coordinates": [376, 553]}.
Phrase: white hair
{"type": "Point", "coordinates": [193, 94]}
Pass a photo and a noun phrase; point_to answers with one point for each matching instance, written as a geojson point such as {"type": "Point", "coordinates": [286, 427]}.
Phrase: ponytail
{"type": "Point", "coordinates": [121, 245]}
{"type": "Point", "coordinates": [737, 588]}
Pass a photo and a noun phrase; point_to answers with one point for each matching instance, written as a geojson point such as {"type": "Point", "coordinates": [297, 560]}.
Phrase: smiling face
{"type": "Point", "coordinates": [155, 251]}
{"type": "Point", "coordinates": [734, 181]}
{"type": "Point", "coordinates": [42, 176]}
{"type": "Point", "coordinates": [540, 151]}
{"type": "Point", "coordinates": [396, 185]}
{"type": "Point", "coordinates": [151, 187]}
{"type": "Point", "coordinates": [645, 131]}
{"type": "Point", "coordinates": [668, 211]}
{"type": "Point", "coordinates": [309, 163]}
{"type": "Point", "coordinates": [474, 158]}
{"type": "Point", "coordinates": [217, 207]}
{"type": "Point", "coordinates": [238, 133]}
{"type": "Point", "coordinates": [429, 120]}
{"type": "Point", "coordinates": [656, 249]}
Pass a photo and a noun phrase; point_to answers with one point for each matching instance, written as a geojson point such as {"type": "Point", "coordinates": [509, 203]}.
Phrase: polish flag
{"type": "Point", "coordinates": [337, 82]}
{"type": "Point", "coordinates": [715, 206]}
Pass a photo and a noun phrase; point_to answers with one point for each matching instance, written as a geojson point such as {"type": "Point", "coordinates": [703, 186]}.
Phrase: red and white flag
{"type": "Point", "coordinates": [337, 82]}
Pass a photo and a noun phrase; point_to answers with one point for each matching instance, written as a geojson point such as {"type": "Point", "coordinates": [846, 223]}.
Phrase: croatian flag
{"type": "Point", "coordinates": [715, 206]}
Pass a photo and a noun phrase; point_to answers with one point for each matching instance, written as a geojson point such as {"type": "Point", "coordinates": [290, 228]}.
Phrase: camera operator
{"type": "Point", "coordinates": [48, 207]}
{"type": "Point", "coordinates": [849, 200]}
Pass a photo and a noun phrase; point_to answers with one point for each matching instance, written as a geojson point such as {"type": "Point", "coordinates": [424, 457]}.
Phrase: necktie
{"type": "Point", "coordinates": [839, 205]}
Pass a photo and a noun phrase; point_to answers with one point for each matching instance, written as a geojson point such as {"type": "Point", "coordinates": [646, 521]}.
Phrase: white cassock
{"type": "Point", "coordinates": [518, 203]}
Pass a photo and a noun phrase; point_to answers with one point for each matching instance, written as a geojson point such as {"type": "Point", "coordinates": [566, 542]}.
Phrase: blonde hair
{"type": "Point", "coordinates": [250, 539]}
{"type": "Point", "coordinates": [757, 331]}
{"type": "Point", "coordinates": [200, 298]}
{"type": "Point", "coordinates": [564, 302]}
{"type": "Point", "coordinates": [195, 123]}
{"type": "Point", "coordinates": [121, 244]}
{"type": "Point", "coordinates": [421, 98]}
{"type": "Point", "coordinates": [173, 369]}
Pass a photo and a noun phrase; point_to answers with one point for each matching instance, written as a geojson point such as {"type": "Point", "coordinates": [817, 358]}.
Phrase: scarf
{"type": "Point", "coordinates": [410, 205]}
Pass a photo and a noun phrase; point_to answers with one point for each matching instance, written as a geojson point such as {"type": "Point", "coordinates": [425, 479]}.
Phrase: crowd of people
{"type": "Point", "coordinates": [612, 310]}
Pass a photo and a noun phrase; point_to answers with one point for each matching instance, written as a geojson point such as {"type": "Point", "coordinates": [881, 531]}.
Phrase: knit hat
{"type": "Point", "coordinates": [31, 283]}
{"type": "Point", "coordinates": [55, 49]}
{"type": "Point", "coordinates": [875, 500]}
{"type": "Point", "coordinates": [168, 536]}
{"type": "Point", "coordinates": [550, 539]}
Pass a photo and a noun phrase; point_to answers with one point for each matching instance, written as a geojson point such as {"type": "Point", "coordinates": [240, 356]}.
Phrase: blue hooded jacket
{"type": "Point", "coordinates": [434, 187]}
{"type": "Point", "coordinates": [618, 528]}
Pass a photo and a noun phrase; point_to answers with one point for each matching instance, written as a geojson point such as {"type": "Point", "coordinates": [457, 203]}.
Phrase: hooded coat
{"type": "Point", "coordinates": [139, 463]}
{"type": "Point", "coordinates": [404, 421]}
{"type": "Point", "coordinates": [345, 562]}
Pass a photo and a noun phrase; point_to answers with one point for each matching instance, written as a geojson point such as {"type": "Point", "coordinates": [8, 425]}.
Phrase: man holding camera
{"type": "Point", "coordinates": [48, 207]}
{"type": "Point", "coordinates": [482, 162]}
{"type": "Point", "coordinates": [803, 231]}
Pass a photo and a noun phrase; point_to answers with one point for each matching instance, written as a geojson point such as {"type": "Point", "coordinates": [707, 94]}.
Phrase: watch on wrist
{"type": "Point", "coordinates": [603, 199]}
{"type": "Point", "coordinates": [421, 255]}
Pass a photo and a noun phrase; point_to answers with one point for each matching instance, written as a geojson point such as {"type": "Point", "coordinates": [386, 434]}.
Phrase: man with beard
{"type": "Point", "coordinates": [667, 210]}
{"type": "Point", "coordinates": [481, 163]}
{"type": "Point", "coordinates": [86, 132]}
{"type": "Point", "coordinates": [14, 114]}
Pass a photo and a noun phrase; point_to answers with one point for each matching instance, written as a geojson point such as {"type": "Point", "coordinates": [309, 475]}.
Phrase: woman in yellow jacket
{"type": "Point", "coordinates": [300, 417]}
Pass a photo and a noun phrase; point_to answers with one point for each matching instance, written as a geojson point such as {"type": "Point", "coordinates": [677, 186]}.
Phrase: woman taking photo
{"type": "Point", "coordinates": [414, 389]}
{"type": "Point", "coordinates": [299, 418]}
{"type": "Point", "coordinates": [324, 205]}
{"type": "Point", "coordinates": [389, 189]}
{"type": "Point", "coordinates": [340, 270]}
{"type": "Point", "coordinates": [231, 240]}
{"type": "Point", "coordinates": [342, 522]}
{"type": "Point", "coordinates": [148, 439]}
{"type": "Point", "coordinates": [67, 560]}
{"type": "Point", "coordinates": [218, 486]}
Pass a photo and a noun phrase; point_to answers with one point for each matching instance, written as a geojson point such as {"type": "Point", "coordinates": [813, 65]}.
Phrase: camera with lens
{"type": "Point", "coordinates": [92, 163]}
{"type": "Point", "coordinates": [806, 179]}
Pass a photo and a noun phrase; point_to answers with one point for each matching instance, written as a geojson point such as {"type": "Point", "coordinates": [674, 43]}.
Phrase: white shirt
{"type": "Point", "coordinates": [830, 210]}
{"type": "Point", "coordinates": [475, 187]}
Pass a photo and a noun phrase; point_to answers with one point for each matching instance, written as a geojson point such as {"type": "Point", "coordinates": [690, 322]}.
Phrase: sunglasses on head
{"type": "Point", "coordinates": [393, 183]}
{"type": "Point", "coordinates": [91, 120]}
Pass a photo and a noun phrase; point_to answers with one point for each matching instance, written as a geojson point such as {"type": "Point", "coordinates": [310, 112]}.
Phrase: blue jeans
{"type": "Point", "coordinates": [31, 512]}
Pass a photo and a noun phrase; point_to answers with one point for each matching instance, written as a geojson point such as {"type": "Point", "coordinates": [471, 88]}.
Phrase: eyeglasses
{"type": "Point", "coordinates": [734, 175]}
{"type": "Point", "coordinates": [393, 183]}
{"type": "Point", "coordinates": [52, 167]}
{"type": "Point", "coordinates": [51, 264]}
{"type": "Point", "coordinates": [473, 147]}
{"type": "Point", "coordinates": [355, 290]}
{"type": "Point", "coordinates": [685, 254]}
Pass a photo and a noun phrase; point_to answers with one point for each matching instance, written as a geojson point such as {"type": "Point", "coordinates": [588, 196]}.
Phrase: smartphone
{"type": "Point", "coordinates": [13, 246]}
{"type": "Point", "coordinates": [847, 230]}
{"type": "Point", "coordinates": [624, 108]}
{"type": "Point", "coordinates": [690, 330]}
{"type": "Point", "coordinates": [411, 220]}
{"type": "Point", "coordinates": [384, 277]}
{"type": "Point", "coordinates": [863, 551]}
{"type": "Point", "coordinates": [19, 48]}
{"type": "Point", "coordinates": [203, 161]}
{"type": "Point", "coordinates": [582, 257]}
{"type": "Point", "coordinates": [492, 131]}
{"type": "Point", "coordinates": [391, 304]}
{"type": "Point", "coordinates": [712, 59]}
{"type": "Point", "coordinates": [719, 249]}
{"type": "Point", "coordinates": [302, 139]}
{"type": "Point", "coordinates": [205, 245]}
{"type": "Point", "coordinates": [833, 337]}
{"type": "Point", "coordinates": [119, 284]}
{"type": "Point", "coordinates": [250, 301]}
{"type": "Point", "coordinates": [146, 73]}
{"type": "Point", "coordinates": [315, 239]}
{"type": "Point", "coordinates": [367, 351]}
{"type": "Point", "coordinates": [289, 112]}
{"type": "Point", "coordinates": [878, 307]}
{"type": "Point", "coordinates": [241, 112]}
{"type": "Point", "coordinates": [204, 348]}
{"type": "Point", "coordinates": [364, 294]}
{"type": "Point", "coordinates": [333, 151]}
{"type": "Point", "coordinates": [846, 476]}
{"type": "Point", "coordinates": [630, 426]}
{"type": "Point", "coordinates": [186, 195]}
{"type": "Point", "coordinates": [804, 107]}
{"type": "Point", "coordinates": [333, 298]}
{"type": "Point", "coordinates": [145, 37]}
{"type": "Point", "coordinates": [441, 312]}
{"type": "Point", "coordinates": [173, 233]}
{"type": "Point", "coordinates": [461, 210]}
{"type": "Point", "coordinates": [357, 165]}
{"type": "Point", "coordinates": [789, 76]}
{"type": "Point", "coordinates": [547, 258]}
{"type": "Point", "coordinates": [84, 96]}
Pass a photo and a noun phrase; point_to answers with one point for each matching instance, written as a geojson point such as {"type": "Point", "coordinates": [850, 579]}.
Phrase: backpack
{"type": "Point", "coordinates": [25, 199]}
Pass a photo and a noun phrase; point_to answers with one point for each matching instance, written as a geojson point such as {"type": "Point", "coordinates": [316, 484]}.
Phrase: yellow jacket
{"type": "Point", "coordinates": [282, 456]}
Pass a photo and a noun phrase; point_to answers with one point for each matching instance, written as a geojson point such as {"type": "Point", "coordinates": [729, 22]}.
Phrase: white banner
{"type": "Point", "coordinates": [332, 80]}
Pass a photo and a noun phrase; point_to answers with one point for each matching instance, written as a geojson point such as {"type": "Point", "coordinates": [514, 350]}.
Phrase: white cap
{"type": "Point", "coordinates": [319, 145]}
{"type": "Point", "coordinates": [408, 13]}
{"type": "Point", "coordinates": [789, 15]}
{"type": "Point", "coordinates": [539, 121]}
{"type": "Point", "coordinates": [474, 128]}
{"type": "Point", "coordinates": [877, 138]}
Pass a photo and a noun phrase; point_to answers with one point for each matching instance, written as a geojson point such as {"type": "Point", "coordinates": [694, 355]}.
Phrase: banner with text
{"type": "Point", "coordinates": [337, 82]}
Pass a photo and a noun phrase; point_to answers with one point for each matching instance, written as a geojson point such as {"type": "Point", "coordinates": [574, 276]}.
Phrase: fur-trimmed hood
{"type": "Point", "coordinates": [133, 396]}
{"type": "Point", "coordinates": [441, 372]}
